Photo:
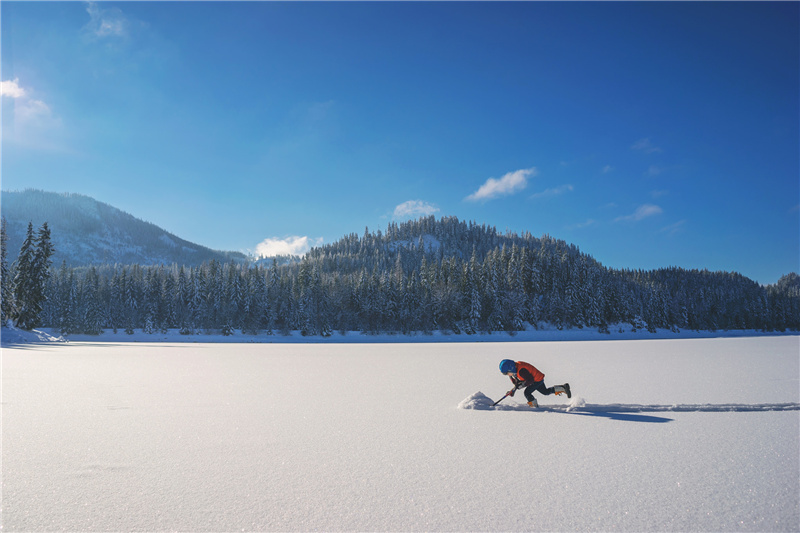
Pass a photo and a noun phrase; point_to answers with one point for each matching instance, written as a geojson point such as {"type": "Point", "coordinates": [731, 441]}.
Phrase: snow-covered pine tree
{"type": "Point", "coordinates": [92, 319]}
{"type": "Point", "coordinates": [22, 283]}
{"type": "Point", "coordinates": [30, 277]}
{"type": "Point", "coordinates": [7, 295]}
{"type": "Point", "coordinates": [473, 292]}
{"type": "Point", "coordinates": [130, 304]}
{"type": "Point", "coordinates": [115, 311]}
{"type": "Point", "coordinates": [168, 297]}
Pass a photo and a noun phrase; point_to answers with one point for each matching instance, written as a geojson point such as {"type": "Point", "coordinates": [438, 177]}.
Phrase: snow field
{"type": "Point", "coordinates": [370, 437]}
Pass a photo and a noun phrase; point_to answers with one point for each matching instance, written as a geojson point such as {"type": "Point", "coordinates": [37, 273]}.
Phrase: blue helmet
{"type": "Point", "coordinates": [507, 365]}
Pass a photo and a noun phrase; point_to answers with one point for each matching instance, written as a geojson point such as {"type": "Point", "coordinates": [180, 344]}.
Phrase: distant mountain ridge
{"type": "Point", "coordinates": [89, 232]}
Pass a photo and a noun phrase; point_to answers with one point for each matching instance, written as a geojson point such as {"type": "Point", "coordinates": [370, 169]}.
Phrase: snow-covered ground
{"type": "Point", "coordinates": [662, 435]}
{"type": "Point", "coordinates": [10, 336]}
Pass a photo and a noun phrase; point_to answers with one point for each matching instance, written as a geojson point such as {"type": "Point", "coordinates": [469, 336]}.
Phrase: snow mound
{"type": "Point", "coordinates": [476, 401]}
{"type": "Point", "coordinates": [479, 401]}
{"type": "Point", "coordinates": [576, 403]}
{"type": "Point", "coordinates": [10, 335]}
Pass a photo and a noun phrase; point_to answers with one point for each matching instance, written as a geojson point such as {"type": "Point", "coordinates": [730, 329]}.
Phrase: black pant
{"type": "Point", "coordinates": [537, 386]}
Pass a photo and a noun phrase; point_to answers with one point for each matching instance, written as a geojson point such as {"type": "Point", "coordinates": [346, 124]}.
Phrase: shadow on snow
{"type": "Point", "coordinates": [622, 412]}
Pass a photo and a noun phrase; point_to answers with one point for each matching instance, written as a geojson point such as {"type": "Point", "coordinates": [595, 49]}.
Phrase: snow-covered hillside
{"type": "Point", "coordinates": [86, 231]}
{"type": "Point", "coordinates": [664, 435]}
{"type": "Point", "coordinates": [426, 243]}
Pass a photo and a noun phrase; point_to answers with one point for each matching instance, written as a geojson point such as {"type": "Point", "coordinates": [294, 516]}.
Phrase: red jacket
{"type": "Point", "coordinates": [528, 372]}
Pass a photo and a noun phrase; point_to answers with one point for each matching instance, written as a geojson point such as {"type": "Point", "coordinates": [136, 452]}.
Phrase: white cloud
{"type": "Point", "coordinates": [414, 209]}
{"type": "Point", "coordinates": [29, 122]}
{"type": "Point", "coordinates": [607, 169]}
{"type": "Point", "coordinates": [672, 229]}
{"type": "Point", "coordinates": [645, 146]}
{"type": "Point", "coordinates": [105, 22]}
{"type": "Point", "coordinates": [26, 109]}
{"type": "Point", "coordinates": [511, 183]}
{"type": "Point", "coordinates": [12, 89]}
{"type": "Point", "coordinates": [581, 225]}
{"type": "Point", "coordinates": [642, 212]}
{"type": "Point", "coordinates": [555, 191]}
{"type": "Point", "coordinates": [293, 245]}
{"type": "Point", "coordinates": [32, 109]}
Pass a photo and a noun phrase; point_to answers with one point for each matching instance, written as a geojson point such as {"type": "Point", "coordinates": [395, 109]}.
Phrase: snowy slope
{"type": "Point", "coordinates": [85, 231]}
{"type": "Point", "coordinates": [370, 437]}
{"type": "Point", "coordinates": [12, 336]}
{"type": "Point", "coordinates": [428, 243]}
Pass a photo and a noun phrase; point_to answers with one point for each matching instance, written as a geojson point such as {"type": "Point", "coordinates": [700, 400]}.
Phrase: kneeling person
{"type": "Point", "coordinates": [526, 375]}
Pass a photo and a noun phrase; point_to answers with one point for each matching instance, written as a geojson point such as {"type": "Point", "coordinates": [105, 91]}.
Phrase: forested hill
{"type": "Point", "coordinates": [481, 279]}
{"type": "Point", "coordinates": [417, 276]}
{"type": "Point", "coordinates": [432, 239]}
{"type": "Point", "coordinates": [86, 232]}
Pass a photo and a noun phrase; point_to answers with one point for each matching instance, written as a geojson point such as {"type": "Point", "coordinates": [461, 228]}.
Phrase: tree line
{"type": "Point", "coordinates": [417, 277]}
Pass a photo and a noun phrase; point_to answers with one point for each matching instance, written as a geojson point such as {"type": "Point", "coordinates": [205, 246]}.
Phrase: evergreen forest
{"type": "Point", "coordinates": [415, 278]}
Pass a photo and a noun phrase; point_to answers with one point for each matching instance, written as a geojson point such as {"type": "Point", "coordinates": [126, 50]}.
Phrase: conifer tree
{"type": "Point", "coordinates": [7, 302]}
{"type": "Point", "coordinates": [92, 318]}
{"type": "Point", "coordinates": [22, 283]}
{"type": "Point", "coordinates": [66, 300]}
{"type": "Point", "coordinates": [30, 278]}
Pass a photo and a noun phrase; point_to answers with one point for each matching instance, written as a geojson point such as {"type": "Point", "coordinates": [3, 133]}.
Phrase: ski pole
{"type": "Point", "coordinates": [501, 399]}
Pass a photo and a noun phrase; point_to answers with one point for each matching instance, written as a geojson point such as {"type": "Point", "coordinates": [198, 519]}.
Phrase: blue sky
{"type": "Point", "coordinates": [648, 134]}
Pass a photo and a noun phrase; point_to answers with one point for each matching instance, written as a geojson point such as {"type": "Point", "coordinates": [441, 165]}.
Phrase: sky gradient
{"type": "Point", "coordinates": [648, 134]}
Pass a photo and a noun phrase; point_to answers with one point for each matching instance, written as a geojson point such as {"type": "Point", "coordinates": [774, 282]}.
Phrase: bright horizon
{"type": "Point", "coordinates": [648, 134]}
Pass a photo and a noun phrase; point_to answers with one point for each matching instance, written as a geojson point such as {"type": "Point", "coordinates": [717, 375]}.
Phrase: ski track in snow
{"type": "Point", "coordinates": [481, 402]}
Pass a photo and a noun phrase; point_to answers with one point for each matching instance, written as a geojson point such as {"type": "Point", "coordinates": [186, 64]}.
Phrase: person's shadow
{"type": "Point", "coordinates": [624, 417]}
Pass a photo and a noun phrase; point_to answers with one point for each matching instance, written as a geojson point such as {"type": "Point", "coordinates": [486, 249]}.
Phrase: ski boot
{"type": "Point", "coordinates": [561, 389]}
{"type": "Point", "coordinates": [533, 403]}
